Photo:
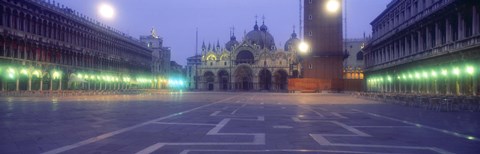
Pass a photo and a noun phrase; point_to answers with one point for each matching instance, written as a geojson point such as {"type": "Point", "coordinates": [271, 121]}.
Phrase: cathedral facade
{"type": "Point", "coordinates": [252, 64]}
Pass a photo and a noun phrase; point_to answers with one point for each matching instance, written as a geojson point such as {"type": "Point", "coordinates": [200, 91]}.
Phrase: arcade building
{"type": "Point", "coordinates": [427, 47]}
{"type": "Point", "coordinates": [47, 46]}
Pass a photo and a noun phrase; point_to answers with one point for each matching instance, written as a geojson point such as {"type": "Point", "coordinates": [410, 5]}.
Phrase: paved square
{"type": "Point", "coordinates": [213, 123]}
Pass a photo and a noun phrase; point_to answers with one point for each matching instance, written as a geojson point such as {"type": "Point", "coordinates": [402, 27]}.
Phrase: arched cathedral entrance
{"type": "Point", "coordinates": [243, 78]}
{"type": "Point", "coordinates": [209, 80]}
{"type": "Point", "coordinates": [281, 79]}
{"type": "Point", "coordinates": [223, 80]}
{"type": "Point", "coordinates": [265, 79]}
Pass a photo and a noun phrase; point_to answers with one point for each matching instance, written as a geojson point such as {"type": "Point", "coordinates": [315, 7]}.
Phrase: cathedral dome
{"type": "Point", "coordinates": [232, 43]}
{"type": "Point", "coordinates": [263, 28]}
{"type": "Point", "coordinates": [261, 37]}
{"type": "Point", "coordinates": [292, 42]}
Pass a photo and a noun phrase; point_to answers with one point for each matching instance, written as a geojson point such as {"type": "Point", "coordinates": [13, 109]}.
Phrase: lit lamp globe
{"type": "Point", "coordinates": [303, 47]}
{"type": "Point", "coordinates": [106, 11]}
{"type": "Point", "coordinates": [332, 6]}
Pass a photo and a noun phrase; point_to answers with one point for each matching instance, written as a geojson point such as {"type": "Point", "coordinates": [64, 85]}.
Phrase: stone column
{"type": "Point", "coordinates": [41, 84]}
{"type": "Point", "coordinates": [60, 84]}
{"type": "Point", "coordinates": [412, 43]}
{"type": "Point", "coordinates": [474, 85]}
{"type": "Point", "coordinates": [420, 41]}
{"type": "Point", "coordinates": [17, 83]}
{"type": "Point", "coordinates": [429, 38]}
{"type": "Point", "coordinates": [438, 36]}
{"type": "Point", "coordinates": [448, 31]}
{"type": "Point", "coordinates": [29, 82]}
{"type": "Point", "coordinates": [51, 84]}
{"type": "Point", "coordinates": [476, 26]}
{"type": "Point", "coordinates": [461, 26]}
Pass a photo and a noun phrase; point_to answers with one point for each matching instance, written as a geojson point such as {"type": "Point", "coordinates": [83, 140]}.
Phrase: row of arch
{"type": "Point", "coordinates": [28, 50]}
{"type": "Point", "coordinates": [244, 79]}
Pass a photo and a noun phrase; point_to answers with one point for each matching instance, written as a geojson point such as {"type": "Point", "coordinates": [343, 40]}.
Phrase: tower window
{"type": "Point", "coordinates": [310, 33]}
{"type": "Point", "coordinates": [310, 66]}
{"type": "Point", "coordinates": [310, 17]}
{"type": "Point", "coordinates": [360, 55]}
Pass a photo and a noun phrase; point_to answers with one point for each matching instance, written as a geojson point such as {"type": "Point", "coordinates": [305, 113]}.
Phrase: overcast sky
{"type": "Point", "coordinates": [176, 20]}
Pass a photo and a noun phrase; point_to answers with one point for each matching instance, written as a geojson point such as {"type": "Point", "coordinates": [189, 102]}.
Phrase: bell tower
{"type": "Point", "coordinates": [323, 32]}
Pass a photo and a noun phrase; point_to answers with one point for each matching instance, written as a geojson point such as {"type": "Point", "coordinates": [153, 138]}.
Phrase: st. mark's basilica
{"type": "Point", "coordinates": [251, 64]}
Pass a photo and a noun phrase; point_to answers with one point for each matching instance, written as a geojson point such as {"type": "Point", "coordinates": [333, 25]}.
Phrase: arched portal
{"type": "Point", "coordinates": [265, 79]}
{"type": "Point", "coordinates": [245, 56]}
{"type": "Point", "coordinates": [281, 78]}
{"type": "Point", "coordinates": [209, 78]}
{"type": "Point", "coordinates": [223, 79]}
{"type": "Point", "coordinates": [243, 78]}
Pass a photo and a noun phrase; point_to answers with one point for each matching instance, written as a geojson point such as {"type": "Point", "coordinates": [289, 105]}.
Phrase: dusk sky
{"type": "Point", "coordinates": [176, 20]}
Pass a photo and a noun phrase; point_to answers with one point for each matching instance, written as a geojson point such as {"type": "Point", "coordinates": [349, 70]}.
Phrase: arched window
{"type": "Point", "coordinates": [360, 55]}
{"type": "Point", "coordinates": [245, 57]}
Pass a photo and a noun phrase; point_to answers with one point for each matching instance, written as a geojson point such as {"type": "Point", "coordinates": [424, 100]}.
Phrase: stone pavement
{"type": "Point", "coordinates": [213, 123]}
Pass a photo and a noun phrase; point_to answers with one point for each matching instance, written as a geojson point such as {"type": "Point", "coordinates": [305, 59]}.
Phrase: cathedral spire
{"type": "Point", "coordinates": [256, 23]}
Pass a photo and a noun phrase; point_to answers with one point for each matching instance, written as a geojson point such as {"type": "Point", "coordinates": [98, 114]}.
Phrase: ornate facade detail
{"type": "Point", "coordinates": [252, 65]}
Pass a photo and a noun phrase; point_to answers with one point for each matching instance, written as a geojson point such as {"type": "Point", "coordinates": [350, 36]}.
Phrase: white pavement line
{"type": "Point", "coordinates": [277, 150]}
{"type": "Point", "coordinates": [110, 134]}
{"type": "Point", "coordinates": [175, 123]}
{"type": "Point", "coordinates": [321, 108]}
{"type": "Point", "coordinates": [317, 113]}
{"type": "Point", "coordinates": [215, 113]}
{"type": "Point", "coordinates": [258, 139]}
{"type": "Point", "coordinates": [185, 152]}
{"type": "Point", "coordinates": [224, 108]}
{"type": "Point", "coordinates": [235, 111]}
{"type": "Point", "coordinates": [351, 129]}
{"type": "Point", "coordinates": [219, 126]}
{"type": "Point", "coordinates": [151, 149]}
{"type": "Point", "coordinates": [320, 139]}
{"type": "Point", "coordinates": [355, 131]}
{"type": "Point", "coordinates": [383, 126]}
{"type": "Point", "coordinates": [339, 115]}
{"type": "Point", "coordinates": [424, 126]}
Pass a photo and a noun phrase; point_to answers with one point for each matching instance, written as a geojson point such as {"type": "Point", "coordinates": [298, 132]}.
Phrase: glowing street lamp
{"type": "Point", "coordinates": [425, 75]}
{"type": "Point", "coordinates": [24, 71]}
{"type": "Point", "coordinates": [37, 73]}
{"type": "Point", "coordinates": [332, 6]}
{"type": "Point", "coordinates": [444, 72]}
{"type": "Point", "coordinates": [434, 74]}
{"type": "Point", "coordinates": [56, 75]}
{"type": "Point", "coordinates": [106, 11]}
{"type": "Point", "coordinates": [470, 70]}
{"type": "Point", "coordinates": [11, 73]}
{"type": "Point", "coordinates": [456, 71]}
{"type": "Point", "coordinates": [417, 75]}
{"type": "Point", "coordinates": [303, 47]}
